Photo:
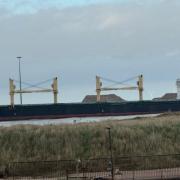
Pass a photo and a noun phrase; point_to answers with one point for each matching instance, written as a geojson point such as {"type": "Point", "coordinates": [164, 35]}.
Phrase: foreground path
{"type": "Point", "coordinates": [158, 174]}
{"type": "Point", "coordinates": [168, 174]}
{"type": "Point", "coordinates": [173, 173]}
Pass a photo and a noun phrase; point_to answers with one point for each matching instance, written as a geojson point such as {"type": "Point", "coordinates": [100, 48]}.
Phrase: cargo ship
{"type": "Point", "coordinates": [57, 110]}
{"type": "Point", "coordinates": [68, 110]}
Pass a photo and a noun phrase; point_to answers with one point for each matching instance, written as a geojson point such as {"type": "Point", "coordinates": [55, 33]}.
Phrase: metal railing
{"type": "Point", "coordinates": [130, 167]}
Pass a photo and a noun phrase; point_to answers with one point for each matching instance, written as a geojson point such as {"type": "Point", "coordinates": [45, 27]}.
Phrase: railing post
{"type": "Point", "coordinates": [83, 169]}
{"type": "Point", "coordinates": [133, 174]}
{"type": "Point", "coordinates": [67, 174]}
{"type": "Point", "coordinates": [111, 154]}
{"type": "Point", "coordinates": [13, 171]}
{"type": "Point", "coordinates": [161, 173]}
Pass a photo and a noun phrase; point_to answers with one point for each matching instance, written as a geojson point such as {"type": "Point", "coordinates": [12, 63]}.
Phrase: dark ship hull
{"type": "Point", "coordinates": [68, 110]}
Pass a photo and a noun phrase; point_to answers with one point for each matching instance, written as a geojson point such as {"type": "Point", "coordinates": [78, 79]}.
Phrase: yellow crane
{"type": "Point", "coordinates": [139, 87]}
{"type": "Point", "coordinates": [13, 91]}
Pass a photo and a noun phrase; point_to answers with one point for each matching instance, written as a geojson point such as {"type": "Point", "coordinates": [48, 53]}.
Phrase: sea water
{"type": "Point", "coordinates": [72, 120]}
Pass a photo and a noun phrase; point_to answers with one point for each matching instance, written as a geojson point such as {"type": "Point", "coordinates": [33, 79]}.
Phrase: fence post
{"type": "Point", "coordinates": [161, 164]}
{"type": "Point", "coordinates": [67, 174]}
{"type": "Point", "coordinates": [111, 153]}
{"type": "Point", "coordinates": [6, 171]}
{"type": "Point", "coordinates": [133, 174]}
{"type": "Point", "coordinates": [161, 173]}
{"type": "Point", "coordinates": [13, 170]}
{"type": "Point", "coordinates": [83, 169]}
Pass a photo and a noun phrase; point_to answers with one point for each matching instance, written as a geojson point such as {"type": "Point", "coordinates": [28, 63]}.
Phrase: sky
{"type": "Point", "coordinates": [76, 40]}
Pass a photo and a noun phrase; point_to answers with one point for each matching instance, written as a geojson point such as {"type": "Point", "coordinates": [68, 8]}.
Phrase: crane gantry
{"type": "Point", "coordinates": [100, 88]}
{"type": "Point", "coordinates": [53, 89]}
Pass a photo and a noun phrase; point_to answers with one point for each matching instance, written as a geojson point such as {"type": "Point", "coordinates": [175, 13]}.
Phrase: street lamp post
{"type": "Point", "coordinates": [20, 82]}
{"type": "Point", "coordinates": [110, 151]}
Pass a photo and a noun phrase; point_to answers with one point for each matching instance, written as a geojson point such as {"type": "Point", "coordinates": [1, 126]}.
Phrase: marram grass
{"type": "Point", "coordinates": [159, 135]}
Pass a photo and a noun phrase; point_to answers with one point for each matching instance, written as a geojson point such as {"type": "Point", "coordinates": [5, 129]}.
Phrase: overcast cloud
{"type": "Point", "coordinates": [115, 40]}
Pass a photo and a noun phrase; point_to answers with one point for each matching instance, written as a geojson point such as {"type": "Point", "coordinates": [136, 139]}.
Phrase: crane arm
{"type": "Point", "coordinates": [34, 91]}
{"type": "Point", "coordinates": [114, 89]}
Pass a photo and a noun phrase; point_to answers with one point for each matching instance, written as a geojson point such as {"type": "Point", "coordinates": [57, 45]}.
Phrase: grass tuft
{"type": "Point", "coordinates": [158, 135]}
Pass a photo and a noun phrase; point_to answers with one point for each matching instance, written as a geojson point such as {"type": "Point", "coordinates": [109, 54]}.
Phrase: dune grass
{"type": "Point", "coordinates": [158, 135]}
